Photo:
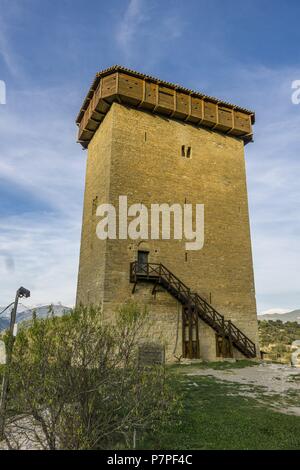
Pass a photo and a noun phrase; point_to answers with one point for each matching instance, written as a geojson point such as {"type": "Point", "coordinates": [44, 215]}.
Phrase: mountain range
{"type": "Point", "coordinates": [284, 317]}
{"type": "Point", "coordinates": [24, 313]}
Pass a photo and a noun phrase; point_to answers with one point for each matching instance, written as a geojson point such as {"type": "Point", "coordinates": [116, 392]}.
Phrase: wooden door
{"type": "Point", "coordinates": [190, 334]}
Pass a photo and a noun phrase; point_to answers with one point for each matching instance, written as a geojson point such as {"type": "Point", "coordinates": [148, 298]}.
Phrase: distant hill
{"type": "Point", "coordinates": [25, 314]}
{"type": "Point", "coordinates": [284, 317]}
{"type": "Point", "coordinates": [276, 339]}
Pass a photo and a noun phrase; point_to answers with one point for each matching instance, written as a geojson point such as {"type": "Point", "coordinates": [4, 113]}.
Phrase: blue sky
{"type": "Point", "coordinates": [244, 52]}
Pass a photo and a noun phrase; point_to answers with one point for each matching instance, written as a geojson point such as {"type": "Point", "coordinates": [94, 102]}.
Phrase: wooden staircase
{"type": "Point", "coordinates": [159, 275]}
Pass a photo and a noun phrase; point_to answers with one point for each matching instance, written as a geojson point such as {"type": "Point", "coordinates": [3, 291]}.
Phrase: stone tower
{"type": "Point", "coordinates": [156, 142]}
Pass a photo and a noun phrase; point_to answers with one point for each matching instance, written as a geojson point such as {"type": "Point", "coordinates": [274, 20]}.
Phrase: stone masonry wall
{"type": "Point", "coordinates": [138, 154]}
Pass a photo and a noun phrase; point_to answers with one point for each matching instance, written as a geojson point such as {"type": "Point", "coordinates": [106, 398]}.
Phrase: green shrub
{"type": "Point", "coordinates": [78, 382]}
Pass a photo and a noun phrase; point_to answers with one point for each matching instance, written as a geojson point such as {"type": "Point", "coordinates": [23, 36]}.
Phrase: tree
{"type": "Point", "coordinates": [76, 383]}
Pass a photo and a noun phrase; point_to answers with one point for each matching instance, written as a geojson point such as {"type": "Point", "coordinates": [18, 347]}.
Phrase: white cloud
{"type": "Point", "coordinates": [41, 161]}
{"type": "Point", "coordinates": [129, 24]}
{"type": "Point", "coordinates": [7, 53]}
{"type": "Point", "coordinates": [38, 146]}
{"type": "Point", "coordinates": [43, 253]}
{"type": "Point", "coordinates": [144, 34]}
{"type": "Point", "coordinates": [274, 192]}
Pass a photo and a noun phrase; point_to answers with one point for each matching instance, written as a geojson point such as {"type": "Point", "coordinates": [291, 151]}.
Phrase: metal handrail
{"type": "Point", "coordinates": [205, 310]}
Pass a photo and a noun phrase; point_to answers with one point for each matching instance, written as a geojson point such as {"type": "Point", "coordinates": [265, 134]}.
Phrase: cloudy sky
{"type": "Point", "coordinates": [244, 52]}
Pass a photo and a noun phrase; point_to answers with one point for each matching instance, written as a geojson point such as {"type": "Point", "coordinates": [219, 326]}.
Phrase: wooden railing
{"type": "Point", "coordinates": [159, 274]}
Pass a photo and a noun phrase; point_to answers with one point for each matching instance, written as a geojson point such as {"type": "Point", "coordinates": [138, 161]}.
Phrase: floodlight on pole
{"type": "Point", "coordinates": [21, 292]}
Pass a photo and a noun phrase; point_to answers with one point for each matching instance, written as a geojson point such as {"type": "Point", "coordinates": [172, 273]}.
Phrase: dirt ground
{"type": "Point", "coordinates": [274, 385]}
{"type": "Point", "coordinates": [277, 384]}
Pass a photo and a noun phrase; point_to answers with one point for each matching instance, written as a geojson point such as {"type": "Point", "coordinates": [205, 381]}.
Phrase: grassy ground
{"type": "Point", "coordinates": [215, 416]}
{"type": "Point", "coordinates": [220, 365]}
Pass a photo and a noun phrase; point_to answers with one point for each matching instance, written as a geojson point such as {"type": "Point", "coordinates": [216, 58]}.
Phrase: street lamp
{"type": "Point", "coordinates": [21, 292]}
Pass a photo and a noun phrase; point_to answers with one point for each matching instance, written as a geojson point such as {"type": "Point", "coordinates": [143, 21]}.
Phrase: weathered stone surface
{"type": "Point", "coordinates": [138, 154]}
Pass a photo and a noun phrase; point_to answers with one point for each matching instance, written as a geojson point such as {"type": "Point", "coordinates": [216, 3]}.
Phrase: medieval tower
{"type": "Point", "coordinates": [160, 143]}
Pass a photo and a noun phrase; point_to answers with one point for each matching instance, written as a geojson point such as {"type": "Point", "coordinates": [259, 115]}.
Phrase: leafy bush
{"type": "Point", "coordinates": [277, 337]}
{"type": "Point", "coordinates": [76, 382]}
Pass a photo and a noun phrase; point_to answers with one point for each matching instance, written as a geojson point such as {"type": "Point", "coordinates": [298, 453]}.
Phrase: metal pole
{"type": "Point", "coordinates": [5, 381]}
{"type": "Point", "coordinates": [230, 338]}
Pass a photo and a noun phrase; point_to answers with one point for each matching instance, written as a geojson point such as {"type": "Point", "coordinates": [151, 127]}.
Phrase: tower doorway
{"type": "Point", "coordinates": [143, 257]}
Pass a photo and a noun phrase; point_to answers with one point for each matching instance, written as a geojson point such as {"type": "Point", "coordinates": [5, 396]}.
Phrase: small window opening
{"type": "Point", "coordinates": [186, 151]}
{"type": "Point", "coordinates": [95, 205]}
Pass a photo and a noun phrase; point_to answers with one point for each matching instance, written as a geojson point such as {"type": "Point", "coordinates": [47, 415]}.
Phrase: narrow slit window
{"type": "Point", "coordinates": [94, 205]}
{"type": "Point", "coordinates": [186, 152]}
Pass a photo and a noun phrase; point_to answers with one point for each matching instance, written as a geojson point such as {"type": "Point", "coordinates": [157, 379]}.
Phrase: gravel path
{"type": "Point", "coordinates": [264, 380]}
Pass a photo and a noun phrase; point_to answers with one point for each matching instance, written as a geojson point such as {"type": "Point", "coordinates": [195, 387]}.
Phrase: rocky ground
{"type": "Point", "coordinates": [276, 383]}
{"type": "Point", "coordinates": [23, 434]}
